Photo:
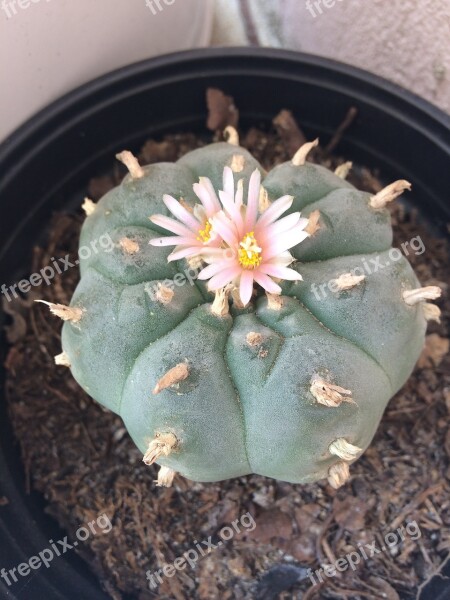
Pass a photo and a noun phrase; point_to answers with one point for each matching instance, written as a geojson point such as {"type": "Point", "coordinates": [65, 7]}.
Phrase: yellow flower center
{"type": "Point", "coordinates": [249, 254]}
{"type": "Point", "coordinates": [204, 235]}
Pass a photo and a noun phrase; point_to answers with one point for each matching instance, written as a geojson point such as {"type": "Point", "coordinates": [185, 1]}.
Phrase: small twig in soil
{"type": "Point", "coordinates": [349, 118]}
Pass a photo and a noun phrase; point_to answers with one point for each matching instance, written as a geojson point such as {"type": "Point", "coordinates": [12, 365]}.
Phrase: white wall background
{"type": "Point", "coordinates": [50, 46]}
{"type": "Point", "coordinates": [405, 41]}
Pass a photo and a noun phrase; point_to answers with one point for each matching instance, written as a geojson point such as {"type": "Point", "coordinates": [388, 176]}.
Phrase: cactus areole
{"type": "Point", "coordinates": [234, 335]}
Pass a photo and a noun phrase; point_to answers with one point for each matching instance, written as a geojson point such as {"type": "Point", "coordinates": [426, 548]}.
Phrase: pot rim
{"type": "Point", "coordinates": [85, 91]}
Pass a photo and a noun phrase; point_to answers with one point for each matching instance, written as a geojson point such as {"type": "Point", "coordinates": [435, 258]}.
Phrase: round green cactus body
{"type": "Point", "coordinates": [292, 386]}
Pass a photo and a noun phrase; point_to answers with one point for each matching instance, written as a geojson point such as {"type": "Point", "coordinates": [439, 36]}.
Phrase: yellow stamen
{"type": "Point", "coordinates": [204, 235]}
{"type": "Point", "coordinates": [249, 254]}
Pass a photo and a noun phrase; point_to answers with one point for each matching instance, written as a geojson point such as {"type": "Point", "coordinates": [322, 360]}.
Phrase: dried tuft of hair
{"type": "Point", "coordinates": [300, 156]}
{"type": "Point", "coordinates": [431, 292]}
{"type": "Point", "coordinates": [72, 314]}
{"type": "Point", "coordinates": [338, 475]}
{"type": "Point", "coordinates": [172, 377]}
{"type": "Point", "coordinates": [253, 338]}
{"type": "Point", "coordinates": [389, 193]}
{"type": "Point", "coordinates": [165, 477]}
{"type": "Point", "coordinates": [231, 135]}
{"type": "Point", "coordinates": [274, 301]}
{"type": "Point", "coordinates": [62, 360]}
{"type": "Point", "coordinates": [431, 312]}
{"type": "Point", "coordinates": [264, 202]}
{"type": "Point", "coordinates": [131, 163]}
{"type": "Point", "coordinates": [343, 170]}
{"type": "Point", "coordinates": [347, 281]}
{"type": "Point", "coordinates": [220, 306]}
{"type": "Point", "coordinates": [237, 163]}
{"type": "Point", "coordinates": [130, 247]}
{"type": "Point", "coordinates": [313, 223]}
{"type": "Point", "coordinates": [161, 445]}
{"type": "Point", "coordinates": [164, 294]}
{"type": "Point", "coordinates": [343, 449]}
{"type": "Point", "coordinates": [328, 394]}
{"type": "Point", "coordinates": [88, 206]}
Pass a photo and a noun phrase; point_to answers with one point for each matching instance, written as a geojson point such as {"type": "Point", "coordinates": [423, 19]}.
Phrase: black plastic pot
{"type": "Point", "coordinates": [45, 165]}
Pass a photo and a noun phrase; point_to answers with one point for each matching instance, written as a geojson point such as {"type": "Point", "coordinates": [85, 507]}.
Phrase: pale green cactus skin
{"type": "Point", "coordinates": [244, 408]}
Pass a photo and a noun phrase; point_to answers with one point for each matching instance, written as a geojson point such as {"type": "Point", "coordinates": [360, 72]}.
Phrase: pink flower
{"type": "Point", "coordinates": [240, 248]}
{"type": "Point", "coordinates": [255, 249]}
{"type": "Point", "coordinates": [193, 229]}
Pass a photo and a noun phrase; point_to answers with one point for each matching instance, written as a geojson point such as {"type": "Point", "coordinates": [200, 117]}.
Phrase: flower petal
{"type": "Point", "coordinates": [238, 198]}
{"type": "Point", "coordinates": [288, 240]}
{"type": "Point", "coordinates": [284, 259]}
{"type": "Point", "coordinates": [275, 210]}
{"type": "Point", "coordinates": [181, 213]}
{"type": "Point", "coordinates": [223, 278]}
{"type": "Point", "coordinates": [225, 228]}
{"type": "Point", "coordinates": [207, 195]}
{"type": "Point", "coordinates": [200, 213]}
{"type": "Point", "coordinates": [171, 225]}
{"type": "Point", "coordinates": [303, 222]}
{"type": "Point", "coordinates": [246, 287]}
{"type": "Point", "coordinates": [184, 251]}
{"type": "Point", "coordinates": [173, 240]}
{"type": "Point", "coordinates": [212, 270]}
{"type": "Point", "coordinates": [211, 254]}
{"type": "Point", "coordinates": [207, 183]}
{"type": "Point", "coordinates": [228, 182]}
{"type": "Point", "coordinates": [233, 211]}
{"type": "Point", "coordinates": [280, 272]}
{"type": "Point", "coordinates": [252, 201]}
{"type": "Point", "coordinates": [267, 283]}
{"type": "Point", "coordinates": [284, 224]}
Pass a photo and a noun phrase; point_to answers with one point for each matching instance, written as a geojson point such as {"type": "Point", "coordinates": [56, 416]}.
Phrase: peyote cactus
{"type": "Point", "coordinates": [260, 344]}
